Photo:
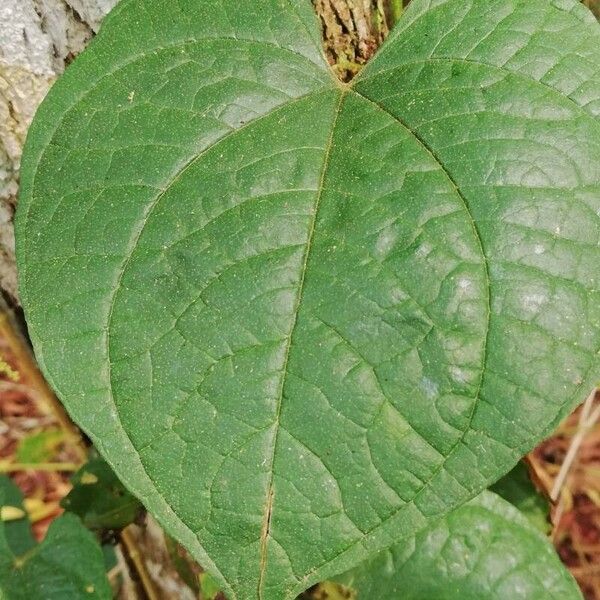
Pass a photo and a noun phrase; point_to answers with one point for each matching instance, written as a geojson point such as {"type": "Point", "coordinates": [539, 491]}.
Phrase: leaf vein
{"type": "Point", "coordinates": [269, 501]}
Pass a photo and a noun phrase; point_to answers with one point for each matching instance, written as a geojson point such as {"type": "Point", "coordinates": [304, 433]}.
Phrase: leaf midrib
{"type": "Point", "coordinates": [134, 242]}
{"type": "Point", "coordinates": [265, 533]}
{"type": "Point", "coordinates": [344, 90]}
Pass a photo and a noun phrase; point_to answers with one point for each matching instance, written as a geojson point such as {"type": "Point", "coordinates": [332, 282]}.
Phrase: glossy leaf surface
{"type": "Point", "coordinates": [484, 549]}
{"type": "Point", "coordinates": [301, 319]}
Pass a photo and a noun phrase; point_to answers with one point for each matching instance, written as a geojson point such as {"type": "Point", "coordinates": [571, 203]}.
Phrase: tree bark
{"type": "Point", "coordinates": [354, 29]}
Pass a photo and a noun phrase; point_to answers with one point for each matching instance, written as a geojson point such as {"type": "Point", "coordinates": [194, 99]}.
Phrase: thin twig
{"type": "Point", "coordinates": [587, 420]}
{"type": "Point", "coordinates": [28, 368]}
{"type": "Point", "coordinates": [135, 556]}
{"type": "Point", "coordinates": [10, 467]}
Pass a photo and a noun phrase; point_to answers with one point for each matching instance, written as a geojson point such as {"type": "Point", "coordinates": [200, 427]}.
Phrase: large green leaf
{"type": "Point", "coordinates": [484, 549]}
{"type": "Point", "coordinates": [67, 565]}
{"type": "Point", "coordinates": [300, 319]}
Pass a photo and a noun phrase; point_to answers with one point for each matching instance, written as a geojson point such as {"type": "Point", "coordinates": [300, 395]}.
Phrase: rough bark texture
{"type": "Point", "coordinates": [353, 30]}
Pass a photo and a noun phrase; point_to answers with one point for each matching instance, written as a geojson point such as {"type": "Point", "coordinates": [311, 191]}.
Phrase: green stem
{"type": "Point", "coordinates": [396, 9]}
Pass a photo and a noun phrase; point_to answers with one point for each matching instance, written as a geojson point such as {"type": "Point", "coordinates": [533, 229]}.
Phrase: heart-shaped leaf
{"type": "Point", "coordinates": [484, 549]}
{"type": "Point", "coordinates": [301, 318]}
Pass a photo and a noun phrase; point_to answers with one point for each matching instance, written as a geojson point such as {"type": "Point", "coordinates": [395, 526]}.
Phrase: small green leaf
{"type": "Point", "coordinates": [17, 531]}
{"type": "Point", "coordinates": [67, 565]}
{"type": "Point", "coordinates": [40, 447]}
{"type": "Point", "coordinates": [485, 549]}
{"type": "Point", "coordinates": [110, 556]}
{"type": "Point", "coordinates": [517, 488]}
{"type": "Point", "coordinates": [99, 498]}
{"type": "Point", "coordinates": [302, 319]}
